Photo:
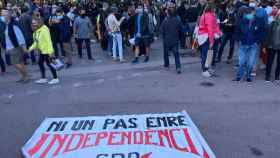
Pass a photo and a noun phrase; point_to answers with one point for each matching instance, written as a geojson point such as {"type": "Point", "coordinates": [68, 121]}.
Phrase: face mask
{"type": "Point", "coordinates": [139, 10]}
{"type": "Point", "coordinates": [249, 16]}
{"type": "Point", "coordinates": [2, 18]}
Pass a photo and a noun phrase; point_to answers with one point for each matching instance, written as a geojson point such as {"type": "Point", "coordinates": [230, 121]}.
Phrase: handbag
{"type": "Point", "coordinates": [57, 64]}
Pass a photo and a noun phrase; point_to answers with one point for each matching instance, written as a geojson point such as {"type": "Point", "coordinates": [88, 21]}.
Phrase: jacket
{"type": "Point", "coordinates": [252, 32]}
{"type": "Point", "coordinates": [171, 29]}
{"type": "Point", "coordinates": [273, 38]}
{"type": "Point", "coordinates": [209, 26]}
{"type": "Point", "coordinates": [144, 24]}
{"type": "Point", "coordinates": [42, 41]}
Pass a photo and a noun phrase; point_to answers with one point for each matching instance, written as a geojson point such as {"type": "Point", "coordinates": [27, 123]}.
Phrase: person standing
{"type": "Point", "coordinates": [171, 30]}
{"type": "Point", "coordinates": [25, 24]}
{"type": "Point", "coordinates": [273, 49]}
{"type": "Point", "coordinates": [249, 37]}
{"type": "Point", "coordinates": [142, 34]}
{"type": "Point", "coordinates": [65, 36]}
{"type": "Point", "coordinates": [208, 36]}
{"type": "Point", "coordinates": [82, 29]}
{"type": "Point", "coordinates": [14, 45]}
{"type": "Point", "coordinates": [114, 29]}
{"type": "Point", "coordinates": [42, 43]}
{"type": "Point", "coordinates": [227, 18]}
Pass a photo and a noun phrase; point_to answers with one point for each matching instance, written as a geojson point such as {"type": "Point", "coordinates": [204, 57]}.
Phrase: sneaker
{"type": "Point", "coordinates": [237, 79]}
{"type": "Point", "coordinates": [249, 80]}
{"type": "Point", "coordinates": [41, 81]}
{"type": "Point", "coordinates": [146, 59]}
{"type": "Point", "coordinates": [54, 81]}
{"type": "Point", "coordinates": [179, 71]}
{"type": "Point", "coordinates": [135, 61]}
{"type": "Point", "coordinates": [206, 74]}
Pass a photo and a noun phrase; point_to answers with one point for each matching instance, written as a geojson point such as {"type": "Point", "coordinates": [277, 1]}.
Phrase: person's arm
{"type": "Point", "coordinates": [20, 37]}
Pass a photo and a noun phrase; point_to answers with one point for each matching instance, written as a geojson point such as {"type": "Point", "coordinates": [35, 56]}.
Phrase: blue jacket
{"type": "Point", "coordinates": [252, 32]}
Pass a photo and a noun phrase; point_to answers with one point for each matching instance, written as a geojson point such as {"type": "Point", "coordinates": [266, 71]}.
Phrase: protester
{"type": "Point", "coordinates": [249, 37]}
{"type": "Point", "coordinates": [25, 21]}
{"type": "Point", "coordinates": [171, 29]}
{"type": "Point", "coordinates": [115, 31]}
{"type": "Point", "coordinates": [208, 36]}
{"type": "Point", "coordinates": [82, 29]}
{"type": "Point", "coordinates": [228, 21]}
{"type": "Point", "coordinates": [142, 34]}
{"type": "Point", "coordinates": [273, 45]}
{"type": "Point", "coordinates": [14, 45]}
{"type": "Point", "coordinates": [43, 43]}
{"type": "Point", "coordinates": [65, 36]}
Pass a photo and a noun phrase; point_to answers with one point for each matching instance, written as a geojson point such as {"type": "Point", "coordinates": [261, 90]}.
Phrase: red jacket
{"type": "Point", "coordinates": [208, 25]}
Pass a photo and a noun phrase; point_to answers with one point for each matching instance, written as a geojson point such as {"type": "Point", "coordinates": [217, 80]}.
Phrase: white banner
{"type": "Point", "coordinates": [169, 135]}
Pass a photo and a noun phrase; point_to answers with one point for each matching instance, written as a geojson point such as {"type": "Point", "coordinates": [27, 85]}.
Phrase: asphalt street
{"type": "Point", "coordinates": [238, 120]}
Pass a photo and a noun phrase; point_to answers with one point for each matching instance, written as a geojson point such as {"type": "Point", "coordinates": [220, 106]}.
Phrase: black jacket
{"type": "Point", "coordinates": [171, 29]}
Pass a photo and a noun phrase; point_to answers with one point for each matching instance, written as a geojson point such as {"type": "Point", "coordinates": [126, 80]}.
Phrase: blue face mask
{"type": "Point", "coordinates": [249, 16]}
{"type": "Point", "coordinates": [2, 18]}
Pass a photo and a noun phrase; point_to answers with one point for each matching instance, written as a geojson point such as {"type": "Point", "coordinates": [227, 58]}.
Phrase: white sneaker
{"type": "Point", "coordinates": [54, 81]}
{"type": "Point", "coordinates": [41, 81]}
{"type": "Point", "coordinates": [206, 74]}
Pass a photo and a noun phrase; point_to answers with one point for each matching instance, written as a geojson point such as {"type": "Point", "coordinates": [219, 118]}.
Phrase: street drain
{"type": "Point", "coordinates": [255, 151]}
{"type": "Point", "coordinates": [207, 84]}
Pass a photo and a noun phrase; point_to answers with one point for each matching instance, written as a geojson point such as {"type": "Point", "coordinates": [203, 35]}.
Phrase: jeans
{"type": "Point", "coordinates": [80, 47]}
{"type": "Point", "coordinates": [117, 42]}
{"type": "Point", "coordinates": [2, 63]}
{"type": "Point", "coordinates": [110, 43]}
{"type": "Point", "coordinates": [175, 50]}
{"type": "Point", "coordinates": [227, 37]}
{"type": "Point", "coordinates": [271, 56]}
{"type": "Point", "coordinates": [247, 55]}
{"type": "Point", "coordinates": [204, 51]}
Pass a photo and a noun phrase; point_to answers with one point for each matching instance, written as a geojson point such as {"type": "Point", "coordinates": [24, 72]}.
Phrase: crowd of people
{"type": "Point", "coordinates": [32, 33]}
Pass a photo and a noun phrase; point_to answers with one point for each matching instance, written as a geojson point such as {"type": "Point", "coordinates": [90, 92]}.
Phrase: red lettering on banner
{"type": "Point", "coordinates": [112, 135]}
{"type": "Point", "coordinates": [146, 155]}
{"type": "Point", "coordinates": [175, 145]}
{"type": "Point", "coordinates": [88, 139]}
{"type": "Point", "coordinates": [140, 141]}
{"type": "Point", "coordinates": [164, 134]}
{"type": "Point", "coordinates": [190, 142]}
{"type": "Point", "coordinates": [46, 151]}
{"type": "Point", "coordinates": [148, 138]}
{"type": "Point", "coordinates": [68, 147]}
{"type": "Point", "coordinates": [126, 136]}
{"type": "Point", "coordinates": [38, 145]}
{"type": "Point", "coordinates": [100, 136]}
{"type": "Point", "coordinates": [205, 154]}
{"type": "Point", "coordinates": [60, 141]}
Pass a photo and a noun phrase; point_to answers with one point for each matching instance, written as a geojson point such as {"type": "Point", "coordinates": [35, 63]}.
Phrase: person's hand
{"type": "Point", "coordinates": [264, 50]}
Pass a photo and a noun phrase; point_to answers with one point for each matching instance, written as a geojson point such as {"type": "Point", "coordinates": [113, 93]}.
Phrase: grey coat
{"type": "Point", "coordinates": [273, 38]}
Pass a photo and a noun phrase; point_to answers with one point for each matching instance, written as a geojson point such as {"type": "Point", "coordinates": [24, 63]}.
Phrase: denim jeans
{"type": "Point", "coordinates": [175, 50]}
{"type": "Point", "coordinates": [2, 63]}
{"type": "Point", "coordinates": [247, 55]}
{"type": "Point", "coordinates": [117, 42]}
{"type": "Point", "coordinates": [272, 54]}
{"type": "Point", "coordinates": [226, 37]}
{"type": "Point", "coordinates": [204, 50]}
{"type": "Point", "coordinates": [110, 44]}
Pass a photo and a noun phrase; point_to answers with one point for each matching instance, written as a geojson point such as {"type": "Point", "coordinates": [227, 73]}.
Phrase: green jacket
{"type": "Point", "coordinates": [42, 41]}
